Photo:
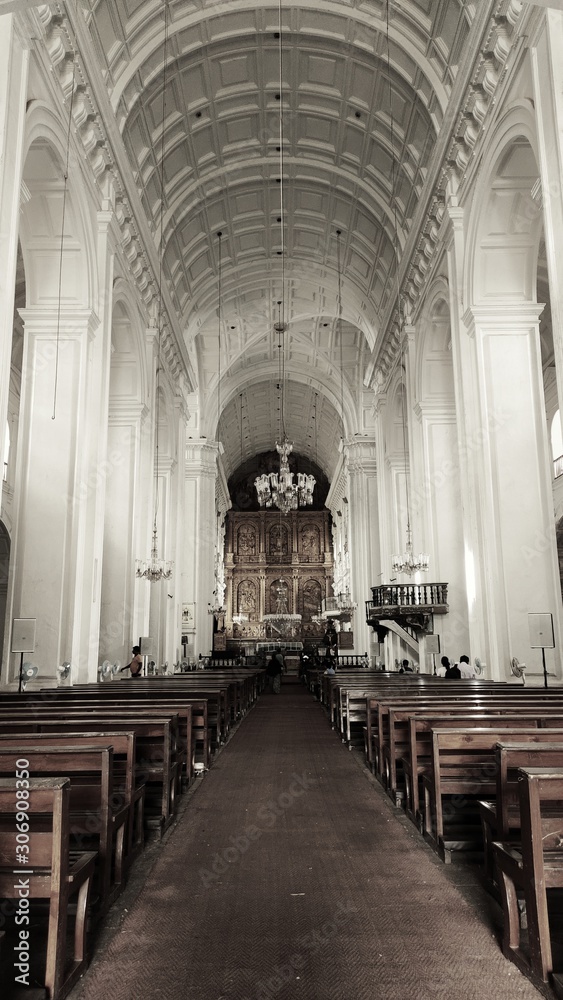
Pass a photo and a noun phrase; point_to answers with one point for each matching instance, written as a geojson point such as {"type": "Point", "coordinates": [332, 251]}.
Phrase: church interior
{"type": "Point", "coordinates": [281, 337]}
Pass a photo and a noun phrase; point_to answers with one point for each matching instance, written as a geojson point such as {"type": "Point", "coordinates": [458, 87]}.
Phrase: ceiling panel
{"type": "Point", "coordinates": [360, 114]}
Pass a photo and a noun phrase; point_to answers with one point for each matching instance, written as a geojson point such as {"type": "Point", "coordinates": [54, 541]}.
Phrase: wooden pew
{"type": "Point", "coordinates": [500, 818]}
{"type": "Point", "coordinates": [463, 769]}
{"type": "Point", "coordinates": [389, 709]}
{"type": "Point", "coordinates": [125, 786]}
{"type": "Point", "coordinates": [201, 713]}
{"type": "Point", "coordinates": [156, 742]}
{"type": "Point", "coordinates": [121, 699]}
{"type": "Point", "coordinates": [94, 817]}
{"type": "Point", "coordinates": [533, 867]}
{"type": "Point", "coordinates": [55, 873]}
{"type": "Point", "coordinates": [415, 754]}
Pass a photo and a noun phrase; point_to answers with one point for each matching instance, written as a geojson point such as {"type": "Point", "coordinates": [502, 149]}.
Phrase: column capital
{"type": "Point", "coordinates": [502, 316]}
{"type": "Point", "coordinates": [201, 457]}
{"type": "Point", "coordinates": [361, 456]}
{"type": "Point", "coordinates": [68, 323]}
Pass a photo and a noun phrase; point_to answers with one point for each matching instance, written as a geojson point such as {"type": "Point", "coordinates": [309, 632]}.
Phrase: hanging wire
{"type": "Point", "coordinates": [315, 419]}
{"type": "Point", "coordinates": [61, 250]}
{"type": "Point", "coordinates": [160, 316]}
{"type": "Point", "coordinates": [219, 315]}
{"type": "Point", "coordinates": [397, 261]}
{"type": "Point", "coordinates": [278, 328]}
{"type": "Point", "coordinates": [240, 397]}
{"type": "Point", "coordinates": [281, 141]}
{"type": "Point", "coordinates": [340, 333]}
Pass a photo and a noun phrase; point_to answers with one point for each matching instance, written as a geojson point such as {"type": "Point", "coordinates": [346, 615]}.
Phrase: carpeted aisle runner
{"type": "Point", "coordinates": [289, 876]}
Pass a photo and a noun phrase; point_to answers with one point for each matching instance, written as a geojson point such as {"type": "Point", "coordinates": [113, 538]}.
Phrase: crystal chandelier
{"type": "Point", "coordinates": [346, 606]}
{"type": "Point", "coordinates": [277, 489]}
{"type": "Point", "coordinates": [408, 562]}
{"type": "Point", "coordinates": [155, 569]}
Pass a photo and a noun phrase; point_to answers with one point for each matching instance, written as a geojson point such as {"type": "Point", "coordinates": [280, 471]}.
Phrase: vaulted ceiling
{"type": "Point", "coordinates": [362, 87]}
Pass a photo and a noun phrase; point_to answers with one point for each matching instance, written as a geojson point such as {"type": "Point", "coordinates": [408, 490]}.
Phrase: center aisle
{"type": "Point", "coordinates": [289, 876]}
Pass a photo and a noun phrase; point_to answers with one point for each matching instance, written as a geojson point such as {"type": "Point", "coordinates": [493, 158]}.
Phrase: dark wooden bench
{"type": "Point", "coordinates": [126, 788]}
{"type": "Point", "coordinates": [463, 772]}
{"type": "Point", "coordinates": [485, 701]}
{"type": "Point", "coordinates": [415, 757]}
{"type": "Point", "coordinates": [378, 706]}
{"type": "Point", "coordinates": [532, 868]}
{"type": "Point", "coordinates": [198, 721]}
{"type": "Point", "coordinates": [54, 873]}
{"type": "Point", "coordinates": [500, 817]}
{"type": "Point", "coordinates": [96, 821]}
{"type": "Point", "coordinates": [156, 743]}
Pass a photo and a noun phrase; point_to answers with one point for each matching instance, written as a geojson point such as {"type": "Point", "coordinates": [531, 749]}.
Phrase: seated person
{"type": "Point", "coordinates": [466, 668]}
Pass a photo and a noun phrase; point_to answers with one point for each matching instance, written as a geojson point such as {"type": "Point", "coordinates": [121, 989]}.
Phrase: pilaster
{"type": "Point", "coordinates": [14, 66]}
{"type": "Point", "coordinates": [363, 530]}
{"type": "Point", "coordinates": [51, 548]}
{"type": "Point", "coordinates": [200, 537]}
{"type": "Point", "coordinates": [514, 554]}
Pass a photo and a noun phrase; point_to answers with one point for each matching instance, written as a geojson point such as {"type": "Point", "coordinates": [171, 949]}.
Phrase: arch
{"type": "Point", "coordinates": [278, 543]}
{"type": "Point", "coordinates": [397, 420]}
{"type": "Point", "coordinates": [434, 364]}
{"type": "Point", "coordinates": [279, 597]}
{"type": "Point", "coordinates": [505, 223]}
{"type": "Point", "coordinates": [310, 598]}
{"type": "Point", "coordinates": [42, 214]}
{"type": "Point", "coordinates": [247, 598]}
{"type": "Point", "coordinates": [309, 543]}
{"type": "Point", "coordinates": [246, 543]}
{"type": "Point", "coordinates": [128, 368]}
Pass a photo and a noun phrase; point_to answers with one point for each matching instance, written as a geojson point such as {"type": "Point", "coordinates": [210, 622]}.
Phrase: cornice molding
{"type": "Point", "coordinates": [496, 37]}
{"type": "Point", "coordinates": [69, 49]}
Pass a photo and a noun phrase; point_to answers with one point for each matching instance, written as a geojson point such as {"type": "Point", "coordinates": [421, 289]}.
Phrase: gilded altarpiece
{"type": "Point", "coordinates": [264, 547]}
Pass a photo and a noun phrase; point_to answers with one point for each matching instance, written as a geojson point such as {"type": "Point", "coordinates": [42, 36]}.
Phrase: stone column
{"type": "Point", "coordinates": [200, 537]}
{"type": "Point", "coordinates": [364, 531]}
{"type": "Point", "coordinates": [262, 584]}
{"type": "Point", "coordinates": [54, 556]}
{"type": "Point", "coordinates": [435, 502]}
{"type": "Point", "coordinates": [14, 63]}
{"type": "Point", "coordinates": [120, 625]}
{"type": "Point", "coordinates": [511, 548]}
{"type": "Point", "coordinates": [547, 69]}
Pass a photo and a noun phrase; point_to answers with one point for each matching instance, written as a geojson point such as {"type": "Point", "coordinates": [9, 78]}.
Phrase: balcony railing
{"type": "Point", "coordinates": [408, 596]}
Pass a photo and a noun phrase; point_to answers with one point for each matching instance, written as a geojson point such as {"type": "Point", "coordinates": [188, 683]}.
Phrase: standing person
{"type": "Point", "coordinates": [136, 664]}
{"type": "Point", "coordinates": [275, 669]}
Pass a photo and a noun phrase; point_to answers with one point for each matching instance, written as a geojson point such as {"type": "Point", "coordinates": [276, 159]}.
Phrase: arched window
{"type": "Point", "coordinates": [557, 445]}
